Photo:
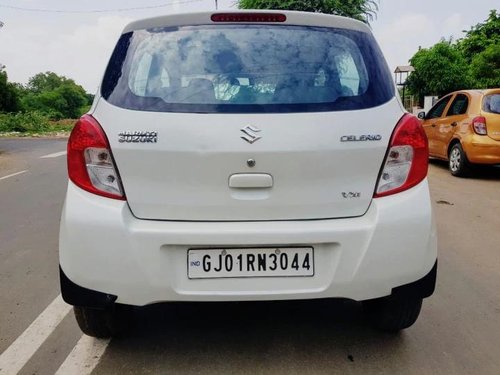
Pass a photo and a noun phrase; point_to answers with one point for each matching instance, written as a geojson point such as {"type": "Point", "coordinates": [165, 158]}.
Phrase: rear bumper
{"type": "Point", "coordinates": [482, 150]}
{"type": "Point", "coordinates": [78, 296]}
{"type": "Point", "coordinates": [104, 248]}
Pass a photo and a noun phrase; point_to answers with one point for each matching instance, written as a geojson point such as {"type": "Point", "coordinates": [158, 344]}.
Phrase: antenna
{"type": "Point", "coordinates": [216, 5]}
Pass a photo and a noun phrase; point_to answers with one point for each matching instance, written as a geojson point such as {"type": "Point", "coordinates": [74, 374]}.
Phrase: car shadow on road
{"type": "Point", "coordinates": [478, 172]}
{"type": "Point", "coordinates": [250, 337]}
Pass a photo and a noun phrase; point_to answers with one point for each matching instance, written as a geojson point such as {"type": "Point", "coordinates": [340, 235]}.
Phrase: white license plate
{"type": "Point", "coordinates": [250, 262]}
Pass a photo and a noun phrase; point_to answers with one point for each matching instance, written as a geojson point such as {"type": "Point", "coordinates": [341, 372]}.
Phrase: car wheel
{"type": "Point", "coordinates": [458, 164]}
{"type": "Point", "coordinates": [103, 323]}
{"type": "Point", "coordinates": [392, 314]}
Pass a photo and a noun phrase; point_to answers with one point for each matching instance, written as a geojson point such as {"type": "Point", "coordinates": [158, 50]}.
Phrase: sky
{"type": "Point", "coordinates": [78, 45]}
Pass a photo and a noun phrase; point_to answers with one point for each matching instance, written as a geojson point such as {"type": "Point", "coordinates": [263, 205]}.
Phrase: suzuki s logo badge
{"type": "Point", "coordinates": [251, 135]}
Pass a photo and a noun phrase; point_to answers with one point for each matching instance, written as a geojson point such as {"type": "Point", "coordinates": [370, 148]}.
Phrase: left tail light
{"type": "Point", "coordinates": [90, 162]}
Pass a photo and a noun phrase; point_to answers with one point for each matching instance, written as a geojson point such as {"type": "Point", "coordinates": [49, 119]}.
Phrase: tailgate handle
{"type": "Point", "coordinates": [251, 181]}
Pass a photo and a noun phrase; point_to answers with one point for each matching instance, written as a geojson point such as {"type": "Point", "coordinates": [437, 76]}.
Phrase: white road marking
{"type": "Point", "coordinates": [19, 353]}
{"type": "Point", "coordinates": [84, 357]}
{"type": "Point", "coordinates": [54, 155]}
{"type": "Point", "coordinates": [12, 175]}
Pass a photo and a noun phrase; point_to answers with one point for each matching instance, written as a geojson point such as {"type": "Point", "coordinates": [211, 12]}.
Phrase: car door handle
{"type": "Point", "coordinates": [251, 181]}
{"type": "Point", "coordinates": [454, 124]}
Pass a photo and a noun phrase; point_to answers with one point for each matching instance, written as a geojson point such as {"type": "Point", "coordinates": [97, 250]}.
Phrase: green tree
{"type": "Point", "coordinates": [363, 10]}
{"type": "Point", "coordinates": [75, 98]}
{"type": "Point", "coordinates": [9, 96]}
{"type": "Point", "coordinates": [438, 71]}
{"type": "Point", "coordinates": [55, 95]}
{"type": "Point", "coordinates": [481, 48]}
{"type": "Point", "coordinates": [485, 67]}
{"type": "Point", "coordinates": [47, 81]}
{"type": "Point", "coordinates": [480, 37]}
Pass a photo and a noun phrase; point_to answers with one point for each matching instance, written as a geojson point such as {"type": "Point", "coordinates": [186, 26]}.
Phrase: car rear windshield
{"type": "Point", "coordinates": [247, 69]}
{"type": "Point", "coordinates": [491, 103]}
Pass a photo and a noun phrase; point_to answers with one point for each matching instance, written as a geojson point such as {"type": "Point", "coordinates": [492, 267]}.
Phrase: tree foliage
{"type": "Point", "coordinates": [485, 67]}
{"type": "Point", "coordinates": [363, 10]}
{"type": "Point", "coordinates": [438, 70]}
{"type": "Point", "coordinates": [48, 81]}
{"type": "Point", "coordinates": [481, 48]}
{"type": "Point", "coordinates": [9, 96]}
{"type": "Point", "coordinates": [55, 95]}
{"type": "Point", "coordinates": [481, 37]}
{"type": "Point", "coordinates": [471, 62]}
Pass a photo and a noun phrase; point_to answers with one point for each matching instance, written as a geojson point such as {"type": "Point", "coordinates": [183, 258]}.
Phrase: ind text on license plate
{"type": "Point", "coordinates": [250, 262]}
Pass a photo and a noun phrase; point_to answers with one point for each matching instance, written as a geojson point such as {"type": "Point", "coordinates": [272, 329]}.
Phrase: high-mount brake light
{"type": "Point", "coordinates": [249, 17]}
{"type": "Point", "coordinates": [90, 162]}
{"type": "Point", "coordinates": [407, 160]}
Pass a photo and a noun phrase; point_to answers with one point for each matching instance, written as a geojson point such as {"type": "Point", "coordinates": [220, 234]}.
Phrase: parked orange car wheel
{"type": "Point", "coordinates": [458, 163]}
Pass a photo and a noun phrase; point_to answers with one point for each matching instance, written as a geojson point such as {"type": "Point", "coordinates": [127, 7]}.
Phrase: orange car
{"type": "Point", "coordinates": [464, 128]}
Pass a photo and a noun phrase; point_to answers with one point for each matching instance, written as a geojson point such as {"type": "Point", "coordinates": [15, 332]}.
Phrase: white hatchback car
{"type": "Point", "coordinates": [247, 156]}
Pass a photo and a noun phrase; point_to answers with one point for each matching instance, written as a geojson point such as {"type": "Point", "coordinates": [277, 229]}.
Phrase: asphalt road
{"type": "Point", "coordinates": [458, 331]}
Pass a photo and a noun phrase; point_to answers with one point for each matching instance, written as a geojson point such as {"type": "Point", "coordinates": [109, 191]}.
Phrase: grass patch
{"type": "Point", "coordinates": [33, 124]}
{"type": "Point", "coordinates": [65, 125]}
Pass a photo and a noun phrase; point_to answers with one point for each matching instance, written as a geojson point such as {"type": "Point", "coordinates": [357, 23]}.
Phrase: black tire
{"type": "Point", "coordinates": [103, 323]}
{"type": "Point", "coordinates": [392, 314]}
{"type": "Point", "coordinates": [458, 164]}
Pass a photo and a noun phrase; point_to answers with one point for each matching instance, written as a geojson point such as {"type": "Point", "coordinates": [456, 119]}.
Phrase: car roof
{"type": "Point", "coordinates": [293, 18]}
{"type": "Point", "coordinates": [476, 97]}
{"type": "Point", "coordinates": [477, 92]}
{"type": "Point", "coordinates": [491, 91]}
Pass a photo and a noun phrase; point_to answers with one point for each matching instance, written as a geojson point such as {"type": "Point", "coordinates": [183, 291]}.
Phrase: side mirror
{"type": "Point", "coordinates": [421, 115]}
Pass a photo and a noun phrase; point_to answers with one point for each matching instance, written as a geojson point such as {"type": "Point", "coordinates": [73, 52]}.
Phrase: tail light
{"type": "Point", "coordinates": [90, 162]}
{"type": "Point", "coordinates": [248, 17]}
{"type": "Point", "coordinates": [479, 125]}
{"type": "Point", "coordinates": [407, 160]}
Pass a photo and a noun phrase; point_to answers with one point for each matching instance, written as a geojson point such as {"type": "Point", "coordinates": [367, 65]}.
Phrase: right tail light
{"type": "Point", "coordinates": [479, 125]}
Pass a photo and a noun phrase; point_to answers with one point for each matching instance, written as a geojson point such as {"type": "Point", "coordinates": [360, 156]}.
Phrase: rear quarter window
{"type": "Point", "coordinates": [248, 69]}
{"type": "Point", "coordinates": [491, 103]}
